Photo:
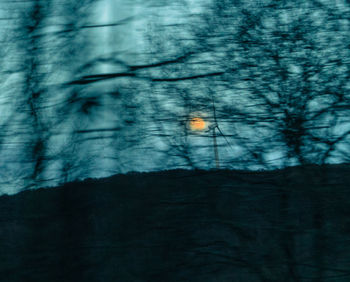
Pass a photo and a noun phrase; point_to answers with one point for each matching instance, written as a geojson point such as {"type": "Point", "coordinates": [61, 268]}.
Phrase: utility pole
{"type": "Point", "coordinates": [215, 144]}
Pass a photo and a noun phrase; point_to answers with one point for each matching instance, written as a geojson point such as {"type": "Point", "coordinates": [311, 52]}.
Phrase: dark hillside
{"type": "Point", "coordinates": [288, 225]}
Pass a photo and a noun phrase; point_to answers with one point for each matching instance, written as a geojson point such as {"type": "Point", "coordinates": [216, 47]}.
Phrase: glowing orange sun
{"type": "Point", "coordinates": [197, 123]}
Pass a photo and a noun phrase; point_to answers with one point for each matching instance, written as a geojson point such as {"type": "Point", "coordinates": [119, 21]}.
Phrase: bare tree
{"type": "Point", "coordinates": [278, 71]}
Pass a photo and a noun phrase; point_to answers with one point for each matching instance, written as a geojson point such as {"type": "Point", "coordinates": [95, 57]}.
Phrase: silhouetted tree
{"type": "Point", "coordinates": [278, 71]}
{"type": "Point", "coordinates": [275, 72]}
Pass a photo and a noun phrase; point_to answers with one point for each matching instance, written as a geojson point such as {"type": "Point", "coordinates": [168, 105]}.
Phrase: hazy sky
{"type": "Point", "coordinates": [128, 42]}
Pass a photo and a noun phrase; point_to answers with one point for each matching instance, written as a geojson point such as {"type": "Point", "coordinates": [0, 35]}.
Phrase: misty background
{"type": "Point", "coordinates": [95, 88]}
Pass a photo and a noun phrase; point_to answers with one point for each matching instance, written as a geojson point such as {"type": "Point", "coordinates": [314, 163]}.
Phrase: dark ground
{"type": "Point", "coordinates": [290, 225]}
